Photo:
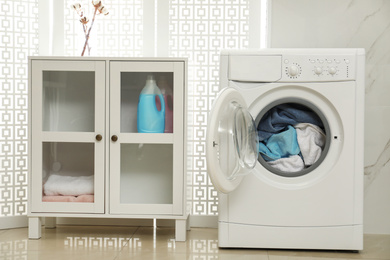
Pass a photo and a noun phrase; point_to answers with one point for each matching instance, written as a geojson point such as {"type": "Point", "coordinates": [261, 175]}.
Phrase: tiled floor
{"type": "Point", "coordinates": [97, 242]}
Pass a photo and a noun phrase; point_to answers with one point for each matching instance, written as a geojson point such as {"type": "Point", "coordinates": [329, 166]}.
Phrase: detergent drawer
{"type": "Point", "coordinates": [255, 68]}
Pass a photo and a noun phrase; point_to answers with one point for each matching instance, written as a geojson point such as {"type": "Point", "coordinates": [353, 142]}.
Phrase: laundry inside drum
{"type": "Point", "coordinates": [293, 138]}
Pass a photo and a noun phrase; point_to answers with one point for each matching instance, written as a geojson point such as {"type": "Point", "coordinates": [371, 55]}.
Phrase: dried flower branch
{"type": "Point", "coordinates": [96, 3]}
{"type": "Point", "coordinates": [103, 10]}
{"type": "Point", "coordinates": [84, 20]}
{"type": "Point", "coordinates": [76, 7]}
{"type": "Point", "coordinates": [99, 8]}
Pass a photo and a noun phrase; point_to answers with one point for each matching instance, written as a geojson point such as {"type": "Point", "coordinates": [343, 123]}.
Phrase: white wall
{"type": "Point", "coordinates": [355, 23]}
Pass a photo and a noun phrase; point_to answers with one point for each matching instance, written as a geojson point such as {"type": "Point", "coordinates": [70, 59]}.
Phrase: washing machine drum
{"type": "Point", "coordinates": [294, 137]}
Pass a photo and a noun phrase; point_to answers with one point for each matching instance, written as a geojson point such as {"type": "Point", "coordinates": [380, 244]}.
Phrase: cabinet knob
{"type": "Point", "coordinates": [99, 137]}
{"type": "Point", "coordinates": [114, 138]}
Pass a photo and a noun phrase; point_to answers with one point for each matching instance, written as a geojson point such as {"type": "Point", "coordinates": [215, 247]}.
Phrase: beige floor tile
{"type": "Point", "coordinates": [203, 233]}
{"type": "Point", "coordinates": [375, 247]}
{"type": "Point", "coordinates": [311, 254]}
{"type": "Point", "coordinates": [150, 256]}
{"type": "Point", "coordinates": [180, 256]}
{"type": "Point", "coordinates": [205, 241]}
{"type": "Point", "coordinates": [102, 242]}
{"type": "Point", "coordinates": [202, 243]}
{"type": "Point", "coordinates": [242, 256]}
{"type": "Point", "coordinates": [68, 239]}
{"type": "Point", "coordinates": [148, 240]}
{"type": "Point", "coordinates": [58, 255]}
{"type": "Point", "coordinates": [12, 234]}
{"type": "Point", "coordinates": [273, 257]}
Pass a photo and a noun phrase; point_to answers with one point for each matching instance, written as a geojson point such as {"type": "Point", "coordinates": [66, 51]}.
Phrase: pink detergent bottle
{"type": "Point", "coordinates": [166, 91]}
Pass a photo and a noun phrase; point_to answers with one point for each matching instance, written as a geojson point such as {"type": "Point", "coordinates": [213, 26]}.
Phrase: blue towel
{"type": "Point", "coordinates": [278, 118]}
{"type": "Point", "coordinates": [280, 145]}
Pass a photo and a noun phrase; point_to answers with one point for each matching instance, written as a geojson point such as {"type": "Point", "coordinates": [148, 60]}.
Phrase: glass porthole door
{"type": "Point", "coordinates": [232, 141]}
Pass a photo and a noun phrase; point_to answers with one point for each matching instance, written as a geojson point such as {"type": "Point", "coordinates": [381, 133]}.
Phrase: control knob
{"type": "Point", "coordinates": [332, 70]}
{"type": "Point", "coordinates": [318, 70]}
{"type": "Point", "coordinates": [293, 70]}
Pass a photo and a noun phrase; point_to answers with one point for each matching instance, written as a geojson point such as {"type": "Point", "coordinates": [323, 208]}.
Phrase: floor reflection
{"type": "Point", "coordinates": [95, 242]}
{"type": "Point", "coordinates": [204, 246]}
{"type": "Point", "coordinates": [16, 249]}
{"type": "Point", "coordinates": [117, 243]}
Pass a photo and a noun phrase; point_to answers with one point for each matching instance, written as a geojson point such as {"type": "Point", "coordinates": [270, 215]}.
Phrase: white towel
{"type": "Point", "coordinates": [68, 185]}
{"type": "Point", "coordinates": [293, 163]}
{"type": "Point", "coordinates": [311, 140]}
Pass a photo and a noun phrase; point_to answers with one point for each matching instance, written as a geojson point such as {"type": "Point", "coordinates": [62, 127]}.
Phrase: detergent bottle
{"type": "Point", "coordinates": [166, 90]}
{"type": "Point", "coordinates": [150, 119]}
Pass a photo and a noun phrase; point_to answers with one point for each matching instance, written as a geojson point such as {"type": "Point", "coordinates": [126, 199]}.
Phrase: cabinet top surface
{"type": "Point", "coordinates": [88, 58]}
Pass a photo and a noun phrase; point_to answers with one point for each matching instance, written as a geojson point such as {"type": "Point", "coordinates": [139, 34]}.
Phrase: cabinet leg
{"type": "Point", "coordinates": [189, 223]}
{"type": "Point", "coordinates": [180, 230]}
{"type": "Point", "coordinates": [50, 222]}
{"type": "Point", "coordinates": [34, 228]}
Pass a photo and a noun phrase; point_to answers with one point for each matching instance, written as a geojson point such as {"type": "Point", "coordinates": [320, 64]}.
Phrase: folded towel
{"type": "Point", "coordinates": [281, 145]}
{"type": "Point", "coordinates": [291, 164]}
{"type": "Point", "coordinates": [85, 198]}
{"type": "Point", "coordinates": [278, 118]}
{"type": "Point", "coordinates": [311, 140]}
{"type": "Point", "coordinates": [60, 198]}
{"type": "Point", "coordinates": [68, 185]}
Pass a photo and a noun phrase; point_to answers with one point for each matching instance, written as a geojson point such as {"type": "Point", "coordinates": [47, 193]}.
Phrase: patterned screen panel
{"type": "Point", "coordinates": [19, 39]}
{"type": "Point", "coordinates": [118, 34]}
{"type": "Point", "coordinates": [198, 31]}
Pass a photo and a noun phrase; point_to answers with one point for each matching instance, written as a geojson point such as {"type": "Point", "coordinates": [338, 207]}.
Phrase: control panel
{"type": "Point", "coordinates": [318, 68]}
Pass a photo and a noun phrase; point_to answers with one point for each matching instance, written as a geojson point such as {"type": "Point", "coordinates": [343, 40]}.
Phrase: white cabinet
{"type": "Point", "coordinates": [87, 157]}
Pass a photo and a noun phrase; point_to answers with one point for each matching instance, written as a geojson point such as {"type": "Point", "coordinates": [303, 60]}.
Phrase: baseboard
{"type": "Point", "coordinates": [13, 222]}
{"type": "Point", "coordinates": [204, 221]}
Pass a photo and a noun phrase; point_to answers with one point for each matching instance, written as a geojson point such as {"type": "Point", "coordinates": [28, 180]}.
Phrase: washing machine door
{"type": "Point", "coordinates": [231, 141]}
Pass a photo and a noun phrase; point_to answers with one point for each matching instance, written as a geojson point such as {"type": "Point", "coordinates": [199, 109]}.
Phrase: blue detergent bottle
{"type": "Point", "coordinates": [149, 118]}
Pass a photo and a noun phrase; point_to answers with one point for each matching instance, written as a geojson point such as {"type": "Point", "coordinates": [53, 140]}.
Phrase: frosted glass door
{"type": "Point", "coordinates": [68, 101]}
{"type": "Point", "coordinates": [144, 181]}
{"type": "Point", "coordinates": [67, 111]}
{"type": "Point", "coordinates": [146, 168]}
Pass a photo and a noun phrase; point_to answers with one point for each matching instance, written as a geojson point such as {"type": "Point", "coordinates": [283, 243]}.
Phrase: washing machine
{"type": "Point", "coordinates": [317, 206]}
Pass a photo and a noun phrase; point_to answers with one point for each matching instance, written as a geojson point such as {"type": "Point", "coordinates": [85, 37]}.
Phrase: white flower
{"type": "Point", "coordinates": [96, 3]}
{"type": "Point", "coordinates": [103, 10]}
{"type": "Point", "coordinates": [76, 6]}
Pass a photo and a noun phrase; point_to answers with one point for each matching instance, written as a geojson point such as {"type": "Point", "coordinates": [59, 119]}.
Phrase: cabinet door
{"type": "Point", "coordinates": [146, 168]}
{"type": "Point", "coordinates": [67, 127]}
